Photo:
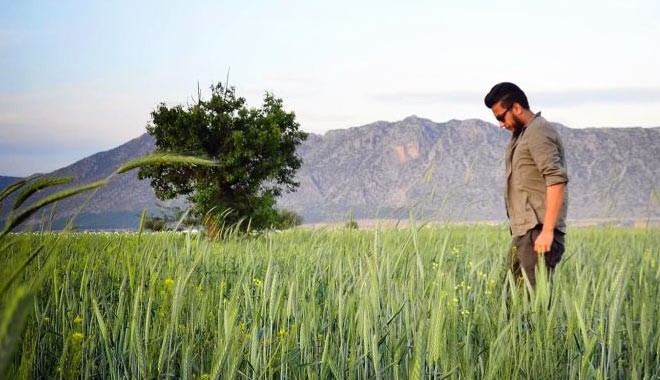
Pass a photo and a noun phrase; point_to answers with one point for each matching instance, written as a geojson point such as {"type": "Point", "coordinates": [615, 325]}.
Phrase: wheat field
{"type": "Point", "coordinates": [413, 303]}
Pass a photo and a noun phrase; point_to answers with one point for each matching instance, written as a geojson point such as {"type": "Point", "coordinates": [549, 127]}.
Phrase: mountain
{"type": "Point", "coordinates": [6, 181]}
{"type": "Point", "coordinates": [454, 172]}
{"type": "Point", "coordinates": [119, 204]}
{"type": "Point", "coordinates": [449, 171]}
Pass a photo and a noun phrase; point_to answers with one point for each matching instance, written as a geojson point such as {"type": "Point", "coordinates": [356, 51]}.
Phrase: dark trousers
{"type": "Point", "coordinates": [523, 258]}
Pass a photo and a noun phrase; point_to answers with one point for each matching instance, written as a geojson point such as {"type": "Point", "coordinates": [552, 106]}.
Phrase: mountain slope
{"type": "Point", "coordinates": [116, 205]}
{"type": "Point", "coordinates": [6, 181]}
{"type": "Point", "coordinates": [449, 171]}
{"type": "Point", "coordinates": [454, 171]}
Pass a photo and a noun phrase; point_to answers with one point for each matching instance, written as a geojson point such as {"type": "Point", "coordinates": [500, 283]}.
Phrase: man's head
{"type": "Point", "coordinates": [509, 105]}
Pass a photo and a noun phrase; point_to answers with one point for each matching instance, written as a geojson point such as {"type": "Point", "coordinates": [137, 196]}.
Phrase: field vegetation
{"type": "Point", "coordinates": [384, 303]}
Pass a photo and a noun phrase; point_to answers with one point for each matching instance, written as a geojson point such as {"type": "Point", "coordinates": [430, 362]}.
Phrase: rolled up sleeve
{"type": "Point", "coordinates": [546, 150]}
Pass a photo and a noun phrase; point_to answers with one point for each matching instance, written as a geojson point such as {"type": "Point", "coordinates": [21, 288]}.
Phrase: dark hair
{"type": "Point", "coordinates": [507, 93]}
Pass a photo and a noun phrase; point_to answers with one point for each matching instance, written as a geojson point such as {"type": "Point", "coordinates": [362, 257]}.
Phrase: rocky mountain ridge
{"type": "Point", "coordinates": [445, 172]}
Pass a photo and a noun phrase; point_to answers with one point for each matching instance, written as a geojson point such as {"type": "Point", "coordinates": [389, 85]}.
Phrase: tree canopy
{"type": "Point", "coordinates": [254, 148]}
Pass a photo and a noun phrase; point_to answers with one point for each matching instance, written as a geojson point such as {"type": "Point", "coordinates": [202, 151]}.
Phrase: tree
{"type": "Point", "coordinates": [254, 149]}
{"type": "Point", "coordinates": [155, 223]}
{"type": "Point", "coordinates": [171, 217]}
{"type": "Point", "coordinates": [289, 219]}
{"type": "Point", "coordinates": [351, 224]}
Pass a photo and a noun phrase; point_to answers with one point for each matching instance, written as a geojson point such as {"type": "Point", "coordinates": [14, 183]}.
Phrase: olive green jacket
{"type": "Point", "coordinates": [534, 160]}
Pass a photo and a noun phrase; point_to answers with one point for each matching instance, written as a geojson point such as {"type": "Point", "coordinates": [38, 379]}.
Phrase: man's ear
{"type": "Point", "coordinates": [517, 108]}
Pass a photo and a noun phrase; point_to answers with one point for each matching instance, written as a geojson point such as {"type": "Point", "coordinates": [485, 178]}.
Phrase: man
{"type": "Point", "coordinates": [536, 178]}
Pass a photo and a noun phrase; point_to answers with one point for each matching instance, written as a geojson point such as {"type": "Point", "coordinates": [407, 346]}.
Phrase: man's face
{"type": "Point", "coordinates": [506, 116]}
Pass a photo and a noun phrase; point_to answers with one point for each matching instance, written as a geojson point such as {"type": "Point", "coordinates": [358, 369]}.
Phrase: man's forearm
{"type": "Point", "coordinates": [554, 199]}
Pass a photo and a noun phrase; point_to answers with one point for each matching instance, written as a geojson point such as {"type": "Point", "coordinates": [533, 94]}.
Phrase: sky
{"type": "Point", "coordinates": [79, 77]}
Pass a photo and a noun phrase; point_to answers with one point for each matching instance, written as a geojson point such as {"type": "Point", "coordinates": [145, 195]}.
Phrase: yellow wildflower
{"type": "Point", "coordinates": [169, 282]}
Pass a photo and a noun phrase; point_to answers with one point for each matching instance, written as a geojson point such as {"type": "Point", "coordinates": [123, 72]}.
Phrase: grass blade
{"type": "Point", "coordinates": [37, 185]}
{"type": "Point", "coordinates": [9, 190]}
{"type": "Point", "coordinates": [20, 270]}
{"type": "Point", "coordinates": [103, 329]}
{"type": "Point", "coordinates": [165, 159]}
{"type": "Point", "coordinates": [22, 216]}
{"type": "Point", "coordinates": [12, 324]}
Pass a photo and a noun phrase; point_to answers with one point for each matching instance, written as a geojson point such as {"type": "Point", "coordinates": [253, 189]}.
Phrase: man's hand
{"type": "Point", "coordinates": [543, 242]}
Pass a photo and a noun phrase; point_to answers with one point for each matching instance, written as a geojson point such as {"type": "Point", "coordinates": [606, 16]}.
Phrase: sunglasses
{"type": "Point", "coordinates": [501, 116]}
